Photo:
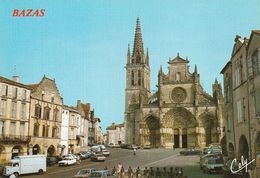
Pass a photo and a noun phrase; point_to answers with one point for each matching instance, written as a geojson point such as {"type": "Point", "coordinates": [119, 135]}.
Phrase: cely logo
{"type": "Point", "coordinates": [243, 164]}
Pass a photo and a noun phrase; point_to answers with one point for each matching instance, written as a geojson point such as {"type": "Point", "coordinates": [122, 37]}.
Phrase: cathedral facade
{"type": "Point", "coordinates": [179, 114]}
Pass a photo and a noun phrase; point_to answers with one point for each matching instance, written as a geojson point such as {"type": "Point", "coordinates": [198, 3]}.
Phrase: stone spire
{"type": "Point", "coordinates": [138, 49]}
{"type": "Point", "coordinates": [147, 57]}
{"type": "Point", "coordinates": [196, 70]}
{"type": "Point", "coordinates": [128, 55]}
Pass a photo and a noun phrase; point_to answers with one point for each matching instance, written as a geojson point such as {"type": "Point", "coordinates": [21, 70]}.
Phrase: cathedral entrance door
{"type": "Point", "coordinates": [184, 138]}
{"type": "Point", "coordinates": [176, 138]}
{"type": "Point", "coordinates": [154, 129]}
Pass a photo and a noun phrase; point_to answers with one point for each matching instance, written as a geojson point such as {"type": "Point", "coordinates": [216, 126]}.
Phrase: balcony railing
{"type": "Point", "coordinates": [14, 138]}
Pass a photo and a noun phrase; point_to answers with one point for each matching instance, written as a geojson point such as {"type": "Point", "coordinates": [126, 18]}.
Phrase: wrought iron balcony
{"type": "Point", "coordinates": [14, 138]}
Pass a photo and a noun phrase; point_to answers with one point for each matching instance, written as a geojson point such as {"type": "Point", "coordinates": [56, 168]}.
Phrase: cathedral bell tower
{"type": "Point", "coordinates": [137, 89]}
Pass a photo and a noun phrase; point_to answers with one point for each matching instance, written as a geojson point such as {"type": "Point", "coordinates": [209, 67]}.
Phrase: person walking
{"type": "Point", "coordinates": [134, 151]}
{"type": "Point", "coordinates": [130, 172]}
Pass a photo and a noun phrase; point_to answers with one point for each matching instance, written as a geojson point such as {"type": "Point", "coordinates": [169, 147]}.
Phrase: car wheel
{"type": "Point", "coordinates": [40, 171]}
{"type": "Point", "coordinates": [16, 174]}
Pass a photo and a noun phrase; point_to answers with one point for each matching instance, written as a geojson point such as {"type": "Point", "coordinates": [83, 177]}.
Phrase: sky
{"type": "Point", "coordinates": [82, 44]}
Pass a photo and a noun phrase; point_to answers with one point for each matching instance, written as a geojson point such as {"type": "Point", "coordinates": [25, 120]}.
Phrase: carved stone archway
{"type": "Point", "coordinates": [183, 125]}
{"type": "Point", "coordinates": [206, 121]}
{"type": "Point", "coordinates": [151, 133]}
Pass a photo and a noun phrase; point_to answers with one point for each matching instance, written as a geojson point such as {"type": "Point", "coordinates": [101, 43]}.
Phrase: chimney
{"type": "Point", "coordinates": [16, 78]}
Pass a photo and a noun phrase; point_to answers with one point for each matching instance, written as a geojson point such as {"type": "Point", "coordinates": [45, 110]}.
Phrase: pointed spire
{"type": "Point", "coordinates": [128, 55]}
{"type": "Point", "coordinates": [216, 81]}
{"type": "Point", "coordinates": [138, 50]}
{"type": "Point", "coordinates": [196, 70]}
{"type": "Point", "coordinates": [147, 57]}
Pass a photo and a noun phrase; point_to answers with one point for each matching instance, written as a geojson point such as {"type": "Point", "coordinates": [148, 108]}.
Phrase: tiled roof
{"type": "Point", "coordinates": [11, 82]}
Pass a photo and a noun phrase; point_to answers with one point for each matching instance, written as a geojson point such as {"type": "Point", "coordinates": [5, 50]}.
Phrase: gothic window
{"type": "Point", "coordinates": [52, 99]}
{"type": "Point", "coordinates": [178, 94]}
{"type": "Point", "coordinates": [238, 74]}
{"type": "Point", "coordinates": [178, 76]}
{"type": "Point", "coordinates": [139, 77]}
{"type": "Point", "coordinates": [38, 111]}
{"type": "Point", "coordinates": [43, 130]}
{"type": "Point", "coordinates": [12, 128]}
{"type": "Point", "coordinates": [55, 114]}
{"type": "Point", "coordinates": [36, 130]}
{"type": "Point", "coordinates": [47, 131]}
{"type": "Point", "coordinates": [46, 113]}
{"type": "Point", "coordinates": [133, 78]}
{"type": "Point", "coordinates": [54, 132]}
{"type": "Point", "coordinates": [13, 109]}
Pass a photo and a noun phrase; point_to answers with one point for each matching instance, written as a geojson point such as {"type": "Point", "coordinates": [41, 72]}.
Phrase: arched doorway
{"type": "Point", "coordinates": [153, 125]}
{"type": "Point", "coordinates": [182, 122]}
{"type": "Point", "coordinates": [2, 151]}
{"type": "Point", "coordinates": [51, 151]}
{"type": "Point", "coordinates": [243, 147]}
{"type": "Point", "coordinates": [16, 151]}
{"type": "Point", "coordinates": [36, 149]}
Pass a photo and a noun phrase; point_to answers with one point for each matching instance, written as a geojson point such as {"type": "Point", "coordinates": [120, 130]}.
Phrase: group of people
{"type": "Point", "coordinates": [151, 172]}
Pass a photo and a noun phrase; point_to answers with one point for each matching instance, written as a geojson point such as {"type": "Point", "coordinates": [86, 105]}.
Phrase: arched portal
{"type": "Point", "coordinates": [183, 124]}
{"type": "Point", "coordinates": [243, 147]}
{"type": "Point", "coordinates": [36, 149]}
{"type": "Point", "coordinates": [51, 151]}
{"type": "Point", "coordinates": [16, 151]}
{"type": "Point", "coordinates": [153, 125]}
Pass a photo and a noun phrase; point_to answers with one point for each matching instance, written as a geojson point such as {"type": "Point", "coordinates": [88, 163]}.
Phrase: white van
{"type": "Point", "coordinates": [26, 165]}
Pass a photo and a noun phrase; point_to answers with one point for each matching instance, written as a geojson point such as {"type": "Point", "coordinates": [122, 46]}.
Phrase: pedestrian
{"type": "Point", "coordinates": [157, 173]}
{"type": "Point", "coordinates": [137, 172]}
{"type": "Point", "coordinates": [134, 151]}
{"type": "Point", "coordinates": [119, 167]}
{"type": "Point", "coordinates": [146, 171]}
{"type": "Point", "coordinates": [114, 170]}
{"type": "Point", "coordinates": [151, 172]}
{"type": "Point", "coordinates": [122, 172]}
{"type": "Point", "coordinates": [130, 172]}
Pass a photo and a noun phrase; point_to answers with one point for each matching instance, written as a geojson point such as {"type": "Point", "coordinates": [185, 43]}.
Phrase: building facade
{"type": "Point", "coordinates": [14, 118]}
{"type": "Point", "coordinates": [242, 101]}
{"type": "Point", "coordinates": [64, 138]}
{"type": "Point", "coordinates": [179, 114]}
{"type": "Point", "coordinates": [115, 134]}
{"type": "Point", "coordinates": [45, 118]}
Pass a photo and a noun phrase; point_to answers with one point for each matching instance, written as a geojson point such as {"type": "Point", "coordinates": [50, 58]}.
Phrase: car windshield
{"type": "Point", "coordinates": [215, 161]}
{"type": "Point", "coordinates": [84, 171]}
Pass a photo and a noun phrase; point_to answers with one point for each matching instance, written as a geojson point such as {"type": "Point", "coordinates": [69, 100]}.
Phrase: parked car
{"type": "Point", "coordinates": [99, 174]}
{"type": "Point", "coordinates": [189, 151]}
{"type": "Point", "coordinates": [124, 146]}
{"type": "Point", "coordinates": [147, 146]}
{"type": "Point", "coordinates": [77, 157]}
{"type": "Point", "coordinates": [112, 145]}
{"type": "Point", "coordinates": [203, 157]}
{"type": "Point", "coordinates": [95, 149]}
{"type": "Point", "coordinates": [102, 147]}
{"type": "Point", "coordinates": [83, 173]}
{"type": "Point", "coordinates": [53, 160]}
{"type": "Point", "coordinates": [67, 161]}
{"type": "Point", "coordinates": [105, 152]}
{"type": "Point", "coordinates": [212, 164]}
{"type": "Point", "coordinates": [85, 154]}
{"type": "Point", "coordinates": [98, 157]}
{"type": "Point", "coordinates": [133, 147]}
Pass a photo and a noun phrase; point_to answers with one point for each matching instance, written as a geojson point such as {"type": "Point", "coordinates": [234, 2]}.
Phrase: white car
{"type": "Point", "coordinates": [71, 156]}
{"type": "Point", "coordinates": [67, 162]}
{"type": "Point", "coordinates": [105, 152]}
